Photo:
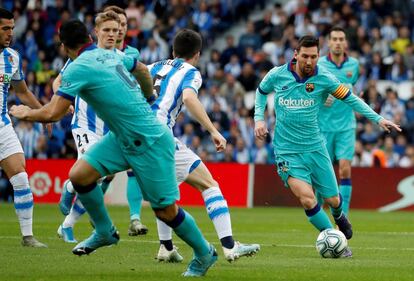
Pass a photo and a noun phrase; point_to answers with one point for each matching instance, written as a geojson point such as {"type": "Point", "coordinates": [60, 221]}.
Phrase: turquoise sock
{"type": "Point", "coordinates": [337, 212]}
{"type": "Point", "coordinates": [186, 228]}
{"type": "Point", "coordinates": [105, 185]}
{"type": "Point", "coordinates": [345, 188]}
{"type": "Point", "coordinates": [318, 218]}
{"type": "Point", "coordinates": [93, 202]}
{"type": "Point", "coordinates": [134, 197]}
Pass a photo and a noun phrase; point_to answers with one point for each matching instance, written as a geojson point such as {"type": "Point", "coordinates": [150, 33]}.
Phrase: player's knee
{"type": "Point", "coordinates": [308, 202]}
{"type": "Point", "coordinates": [344, 170]}
{"type": "Point", "coordinates": [166, 214]}
{"type": "Point", "coordinates": [333, 201]}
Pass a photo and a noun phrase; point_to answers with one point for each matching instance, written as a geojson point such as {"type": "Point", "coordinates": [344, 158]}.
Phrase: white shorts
{"type": "Point", "coordinates": [84, 139]}
{"type": "Point", "coordinates": [9, 142]}
{"type": "Point", "coordinates": [185, 161]}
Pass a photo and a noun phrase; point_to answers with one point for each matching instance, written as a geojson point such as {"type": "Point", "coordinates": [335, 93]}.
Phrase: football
{"type": "Point", "coordinates": [331, 243]}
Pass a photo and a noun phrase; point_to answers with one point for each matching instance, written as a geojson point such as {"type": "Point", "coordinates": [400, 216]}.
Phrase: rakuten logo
{"type": "Point", "coordinates": [296, 103]}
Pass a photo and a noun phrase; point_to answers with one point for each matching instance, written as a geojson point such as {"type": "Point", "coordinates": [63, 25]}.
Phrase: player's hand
{"type": "Point", "coordinates": [387, 125]}
{"type": "Point", "coordinates": [260, 130]}
{"type": "Point", "coordinates": [219, 141]}
{"type": "Point", "coordinates": [329, 101]}
{"type": "Point", "coordinates": [19, 111]}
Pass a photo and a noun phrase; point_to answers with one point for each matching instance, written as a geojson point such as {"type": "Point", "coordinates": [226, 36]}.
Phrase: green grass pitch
{"type": "Point", "coordinates": [383, 247]}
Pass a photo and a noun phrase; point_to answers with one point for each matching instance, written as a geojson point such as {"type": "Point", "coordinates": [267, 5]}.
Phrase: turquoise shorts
{"type": "Point", "coordinates": [315, 168]}
{"type": "Point", "coordinates": [154, 168]}
{"type": "Point", "coordinates": [340, 145]}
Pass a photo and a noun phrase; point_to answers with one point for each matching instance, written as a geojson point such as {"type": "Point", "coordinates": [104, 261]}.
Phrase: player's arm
{"type": "Point", "coordinates": [56, 83]}
{"type": "Point", "coordinates": [24, 94]}
{"type": "Point", "coordinates": [141, 73]}
{"type": "Point", "coordinates": [197, 110]}
{"type": "Point", "coordinates": [50, 112]}
{"type": "Point", "coordinates": [260, 101]}
{"type": "Point", "coordinates": [144, 79]}
{"type": "Point", "coordinates": [358, 105]}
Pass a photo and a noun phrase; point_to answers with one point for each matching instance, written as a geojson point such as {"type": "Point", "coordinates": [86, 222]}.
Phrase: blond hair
{"type": "Point", "coordinates": [106, 16]}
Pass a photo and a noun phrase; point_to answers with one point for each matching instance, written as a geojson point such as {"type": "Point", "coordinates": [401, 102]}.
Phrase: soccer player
{"type": "Point", "coordinates": [302, 159]}
{"type": "Point", "coordinates": [134, 194]}
{"type": "Point", "coordinates": [11, 153]}
{"type": "Point", "coordinates": [176, 83]}
{"type": "Point", "coordinates": [336, 119]}
{"type": "Point", "coordinates": [136, 140]}
{"type": "Point", "coordinates": [87, 129]}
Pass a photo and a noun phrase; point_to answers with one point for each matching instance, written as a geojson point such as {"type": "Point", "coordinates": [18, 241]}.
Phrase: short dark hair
{"type": "Point", "coordinates": [115, 9]}
{"type": "Point", "coordinates": [5, 14]}
{"type": "Point", "coordinates": [308, 41]}
{"type": "Point", "coordinates": [336, 28]}
{"type": "Point", "coordinates": [187, 43]}
{"type": "Point", "coordinates": [73, 34]}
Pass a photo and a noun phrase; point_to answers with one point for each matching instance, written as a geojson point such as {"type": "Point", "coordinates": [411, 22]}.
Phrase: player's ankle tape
{"type": "Point", "coordinates": [84, 188]}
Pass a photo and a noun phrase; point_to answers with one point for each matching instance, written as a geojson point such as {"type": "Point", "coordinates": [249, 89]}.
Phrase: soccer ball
{"type": "Point", "coordinates": [331, 243]}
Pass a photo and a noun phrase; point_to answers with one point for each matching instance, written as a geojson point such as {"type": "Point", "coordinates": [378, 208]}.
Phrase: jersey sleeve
{"type": "Point", "coordinates": [73, 82]}
{"type": "Point", "coordinates": [268, 82]}
{"type": "Point", "coordinates": [334, 87]}
{"type": "Point", "coordinates": [192, 79]}
{"type": "Point", "coordinates": [18, 75]}
{"type": "Point", "coordinates": [129, 62]}
{"type": "Point", "coordinates": [265, 88]}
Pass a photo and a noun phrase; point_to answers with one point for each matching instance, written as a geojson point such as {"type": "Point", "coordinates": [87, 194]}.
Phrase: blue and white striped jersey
{"type": "Point", "coordinates": [170, 78]}
{"type": "Point", "coordinates": [84, 116]}
{"type": "Point", "coordinates": [10, 69]}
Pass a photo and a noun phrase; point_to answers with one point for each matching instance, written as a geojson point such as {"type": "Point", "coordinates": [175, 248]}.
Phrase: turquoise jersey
{"type": "Point", "coordinates": [339, 116]}
{"type": "Point", "coordinates": [297, 105]}
{"type": "Point", "coordinates": [132, 52]}
{"type": "Point", "coordinates": [102, 78]}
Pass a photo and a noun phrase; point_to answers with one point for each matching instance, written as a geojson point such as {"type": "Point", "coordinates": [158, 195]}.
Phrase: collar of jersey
{"type": "Point", "coordinates": [329, 58]}
{"type": "Point", "coordinates": [298, 79]}
{"type": "Point", "coordinates": [87, 47]}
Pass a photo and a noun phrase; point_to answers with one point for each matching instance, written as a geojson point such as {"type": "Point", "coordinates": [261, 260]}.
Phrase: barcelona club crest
{"type": "Point", "coordinates": [349, 74]}
{"type": "Point", "coordinates": [310, 87]}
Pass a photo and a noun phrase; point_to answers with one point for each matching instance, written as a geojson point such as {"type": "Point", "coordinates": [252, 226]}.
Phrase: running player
{"type": "Point", "coordinates": [87, 129]}
{"type": "Point", "coordinates": [336, 119]}
{"type": "Point", "coordinates": [136, 140]}
{"type": "Point", "coordinates": [302, 159]}
{"type": "Point", "coordinates": [176, 83]}
{"type": "Point", "coordinates": [11, 153]}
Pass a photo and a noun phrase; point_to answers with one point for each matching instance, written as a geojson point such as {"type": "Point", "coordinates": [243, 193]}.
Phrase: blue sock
{"type": "Point", "coordinates": [93, 201]}
{"type": "Point", "coordinates": [186, 228]}
{"type": "Point", "coordinates": [134, 197]}
{"type": "Point", "coordinates": [318, 218]}
{"type": "Point", "coordinates": [337, 212]}
{"type": "Point", "coordinates": [105, 185]}
{"type": "Point", "coordinates": [345, 187]}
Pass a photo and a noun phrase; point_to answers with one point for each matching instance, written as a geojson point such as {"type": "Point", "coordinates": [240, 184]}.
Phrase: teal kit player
{"type": "Point", "coordinates": [302, 159]}
{"type": "Point", "coordinates": [136, 140]}
{"type": "Point", "coordinates": [134, 194]}
{"type": "Point", "coordinates": [337, 119]}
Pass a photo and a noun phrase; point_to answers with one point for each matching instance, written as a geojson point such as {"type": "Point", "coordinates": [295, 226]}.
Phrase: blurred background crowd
{"type": "Point", "coordinates": [380, 35]}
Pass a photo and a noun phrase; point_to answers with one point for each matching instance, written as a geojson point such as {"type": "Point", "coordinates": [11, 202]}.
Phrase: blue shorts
{"type": "Point", "coordinates": [340, 145]}
{"type": "Point", "coordinates": [314, 168]}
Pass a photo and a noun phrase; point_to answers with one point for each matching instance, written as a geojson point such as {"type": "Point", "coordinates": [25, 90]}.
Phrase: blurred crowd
{"type": "Point", "coordinates": [380, 35]}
